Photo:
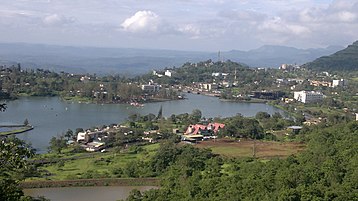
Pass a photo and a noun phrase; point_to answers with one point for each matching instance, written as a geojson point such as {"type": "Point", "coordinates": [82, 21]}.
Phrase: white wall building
{"type": "Point", "coordinates": [341, 83]}
{"type": "Point", "coordinates": [209, 86]}
{"type": "Point", "coordinates": [151, 87]}
{"type": "Point", "coordinates": [168, 73]}
{"type": "Point", "coordinates": [308, 96]}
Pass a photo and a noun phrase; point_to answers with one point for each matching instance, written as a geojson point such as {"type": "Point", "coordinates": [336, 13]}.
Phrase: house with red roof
{"type": "Point", "coordinates": [204, 129]}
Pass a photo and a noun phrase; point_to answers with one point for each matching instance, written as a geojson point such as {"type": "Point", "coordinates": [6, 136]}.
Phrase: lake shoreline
{"type": "Point", "coordinates": [91, 182]}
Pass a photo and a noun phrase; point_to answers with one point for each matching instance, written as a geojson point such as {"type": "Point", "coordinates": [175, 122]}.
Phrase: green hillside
{"type": "Point", "coordinates": [346, 59]}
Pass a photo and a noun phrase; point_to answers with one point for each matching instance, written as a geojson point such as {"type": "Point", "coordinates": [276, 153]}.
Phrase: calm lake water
{"type": "Point", "coordinates": [50, 116]}
{"type": "Point", "coordinates": [102, 193]}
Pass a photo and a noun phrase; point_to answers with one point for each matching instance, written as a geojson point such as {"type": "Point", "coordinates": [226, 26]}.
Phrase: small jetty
{"type": "Point", "coordinates": [14, 129]}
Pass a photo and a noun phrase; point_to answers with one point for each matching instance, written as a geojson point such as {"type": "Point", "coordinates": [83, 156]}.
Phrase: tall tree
{"type": "Point", "coordinates": [57, 144]}
{"type": "Point", "coordinates": [13, 153]}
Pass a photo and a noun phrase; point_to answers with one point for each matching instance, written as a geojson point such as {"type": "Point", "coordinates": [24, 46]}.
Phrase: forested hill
{"type": "Point", "coordinates": [346, 59]}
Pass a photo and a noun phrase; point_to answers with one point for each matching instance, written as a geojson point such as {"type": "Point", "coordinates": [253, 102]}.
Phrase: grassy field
{"type": "Point", "coordinates": [244, 148]}
{"type": "Point", "coordinates": [95, 164]}
{"type": "Point", "coordinates": [105, 165]}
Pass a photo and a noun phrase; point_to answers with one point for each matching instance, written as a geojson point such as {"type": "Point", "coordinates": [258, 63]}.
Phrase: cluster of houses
{"type": "Point", "coordinates": [95, 140]}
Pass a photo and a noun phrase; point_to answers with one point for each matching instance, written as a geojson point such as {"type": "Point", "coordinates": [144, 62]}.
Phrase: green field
{"type": "Point", "coordinates": [92, 165]}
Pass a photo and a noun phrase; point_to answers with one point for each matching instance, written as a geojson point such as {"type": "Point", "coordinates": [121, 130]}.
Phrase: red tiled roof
{"type": "Point", "coordinates": [194, 129]}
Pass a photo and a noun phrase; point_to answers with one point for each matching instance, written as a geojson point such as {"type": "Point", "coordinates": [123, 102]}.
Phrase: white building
{"type": "Point", "coordinates": [151, 87]}
{"type": "Point", "coordinates": [341, 83]}
{"type": "Point", "coordinates": [356, 116]}
{"type": "Point", "coordinates": [168, 73]}
{"type": "Point", "coordinates": [308, 96]}
{"type": "Point", "coordinates": [209, 86]}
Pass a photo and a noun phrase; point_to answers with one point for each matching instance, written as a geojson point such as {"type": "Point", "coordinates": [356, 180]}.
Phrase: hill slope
{"type": "Point", "coordinates": [346, 59]}
{"type": "Point", "coordinates": [274, 56]}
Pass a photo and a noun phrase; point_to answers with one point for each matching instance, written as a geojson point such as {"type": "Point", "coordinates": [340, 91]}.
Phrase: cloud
{"type": "Point", "coordinates": [242, 15]}
{"type": "Point", "coordinates": [280, 26]}
{"type": "Point", "coordinates": [142, 21]}
{"type": "Point", "coordinates": [190, 29]}
{"type": "Point", "coordinates": [346, 16]}
{"type": "Point", "coordinates": [57, 20]}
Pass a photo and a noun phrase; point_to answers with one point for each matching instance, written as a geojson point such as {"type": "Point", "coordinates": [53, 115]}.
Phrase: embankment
{"type": "Point", "coordinates": [92, 182]}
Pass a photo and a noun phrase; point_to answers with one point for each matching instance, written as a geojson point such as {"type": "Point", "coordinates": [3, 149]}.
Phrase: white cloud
{"type": "Point", "coordinates": [280, 26]}
{"type": "Point", "coordinates": [190, 29]}
{"type": "Point", "coordinates": [346, 16]}
{"type": "Point", "coordinates": [57, 20]}
{"type": "Point", "coordinates": [142, 21]}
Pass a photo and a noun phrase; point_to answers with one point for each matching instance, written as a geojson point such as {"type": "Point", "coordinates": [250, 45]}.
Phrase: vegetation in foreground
{"type": "Point", "coordinates": [327, 170]}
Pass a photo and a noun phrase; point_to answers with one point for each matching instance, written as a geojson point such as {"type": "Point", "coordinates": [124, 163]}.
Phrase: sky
{"type": "Point", "coordinates": [197, 25]}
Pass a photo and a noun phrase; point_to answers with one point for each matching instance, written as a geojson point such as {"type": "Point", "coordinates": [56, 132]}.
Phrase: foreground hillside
{"type": "Point", "coordinates": [346, 59]}
{"type": "Point", "coordinates": [327, 170]}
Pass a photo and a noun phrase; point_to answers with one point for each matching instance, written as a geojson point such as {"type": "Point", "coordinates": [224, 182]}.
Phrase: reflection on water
{"type": "Point", "coordinates": [100, 193]}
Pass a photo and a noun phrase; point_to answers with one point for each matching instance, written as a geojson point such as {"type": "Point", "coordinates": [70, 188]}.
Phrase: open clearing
{"type": "Point", "coordinates": [244, 148]}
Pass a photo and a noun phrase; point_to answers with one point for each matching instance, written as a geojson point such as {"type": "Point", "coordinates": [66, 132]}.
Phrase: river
{"type": "Point", "coordinates": [102, 193]}
{"type": "Point", "coordinates": [50, 116]}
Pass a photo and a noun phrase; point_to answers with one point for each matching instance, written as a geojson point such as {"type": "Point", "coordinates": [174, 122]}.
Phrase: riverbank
{"type": "Point", "coordinates": [92, 182]}
{"type": "Point", "coordinates": [92, 101]}
{"type": "Point", "coordinates": [253, 100]}
{"type": "Point", "coordinates": [22, 129]}
{"type": "Point", "coordinates": [278, 106]}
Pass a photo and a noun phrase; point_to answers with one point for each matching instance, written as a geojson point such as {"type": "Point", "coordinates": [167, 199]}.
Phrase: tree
{"type": "Point", "coordinates": [26, 122]}
{"type": "Point", "coordinates": [57, 144]}
{"type": "Point", "coordinates": [160, 113]}
{"type": "Point", "coordinates": [13, 153]}
{"type": "Point", "coordinates": [79, 130]}
{"type": "Point", "coordinates": [240, 126]}
{"type": "Point", "coordinates": [262, 115]}
{"type": "Point", "coordinates": [195, 116]}
{"type": "Point", "coordinates": [69, 134]}
{"type": "Point", "coordinates": [2, 107]}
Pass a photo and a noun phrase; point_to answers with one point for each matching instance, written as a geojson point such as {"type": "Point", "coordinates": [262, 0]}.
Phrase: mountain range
{"type": "Point", "coordinates": [128, 61]}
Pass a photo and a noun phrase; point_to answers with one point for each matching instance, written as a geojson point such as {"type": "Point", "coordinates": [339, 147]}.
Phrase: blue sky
{"type": "Point", "coordinates": [201, 25]}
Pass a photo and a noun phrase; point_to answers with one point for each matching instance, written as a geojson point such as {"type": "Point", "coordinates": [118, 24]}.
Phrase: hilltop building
{"type": "Point", "coordinates": [168, 73]}
{"type": "Point", "coordinates": [288, 67]}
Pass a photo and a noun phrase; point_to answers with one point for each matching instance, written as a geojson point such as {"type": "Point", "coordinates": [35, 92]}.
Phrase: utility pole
{"type": "Point", "coordinates": [254, 148]}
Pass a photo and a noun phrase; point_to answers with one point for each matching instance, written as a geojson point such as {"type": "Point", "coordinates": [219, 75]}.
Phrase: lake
{"type": "Point", "coordinates": [103, 193]}
{"type": "Point", "coordinates": [50, 116]}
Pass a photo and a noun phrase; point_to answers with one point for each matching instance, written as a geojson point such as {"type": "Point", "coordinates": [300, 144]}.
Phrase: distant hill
{"type": "Point", "coordinates": [124, 61]}
{"type": "Point", "coordinates": [346, 59]}
{"type": "Point", "coordinates": [128, 61]}
{"type": "Point", "coordinates": [273, 56]}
